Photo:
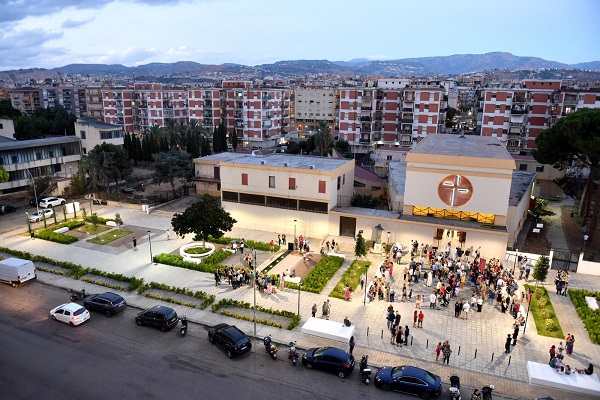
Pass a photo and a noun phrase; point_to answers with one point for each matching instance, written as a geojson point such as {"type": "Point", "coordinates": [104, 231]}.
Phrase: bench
{"type": "Point", "coordinates": [62, 230]}
{"type": "Point", "coordinates": [545, 375]}
{"type": "Point", "coordinates": [328, 329]}
{"type": "Point", "coordinates": [111, 223]}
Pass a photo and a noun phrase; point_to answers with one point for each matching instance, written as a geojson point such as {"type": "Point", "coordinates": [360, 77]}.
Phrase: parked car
{"type": "Point", "coordinates": [229, 338]}
{"type": "Point", "coordinates": [5, 209]}
{"type": "Point", "coordinates": [128, 190]}
{"type": "Point", "coordinates": [39, 215]}
{"type": "Point", "coordinates": [107, 303]}
{"type": "Point", "coordinates": [161, 317]}
{"type": "Point", "coordinates": [70, 313]}
{"type": "Point", "coordinates": [52, 202]}
{"type": "Point", "coordinates": [35, 201]}
{"type": "Point", "coordinates": [329, 359]}
{"type": "Point", "coordinates": [411, 380]}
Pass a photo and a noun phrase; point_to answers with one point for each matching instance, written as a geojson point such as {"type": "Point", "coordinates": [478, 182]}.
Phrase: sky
{"type": "Point", "coordinates": [53, 33]}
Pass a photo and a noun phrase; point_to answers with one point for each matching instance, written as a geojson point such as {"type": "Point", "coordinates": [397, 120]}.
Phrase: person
{"type": "Point", "coordinates": [168, 235]}
{"type": "Point", "coordinates": [347, 322]}
{"type": "Point", "coordinates": [418, 301]}
{"type": "Point", "coordinates": [438, 350]}
{"type": "Point", "coordinates": [560, 349]}
{"type": "Point", "coordinates": [392, 294]}
{"type": "Point", "coordinates": [415, 318]}
{"type": "Point", "coordinates": [476, 395]}
{"type": "Point", "coordinates": [328, 307]}
{"type": "Point", "coordinates": [446, 351]}
{"type": "Point", "coordinates": [586, 239]}
{"type": "Point", "coordinates": [515, 333]}
{"type": "Point", "coordinates": [314, 310]}
{"type": "Point", "coordinates": [272, 244]}
{"type": "Point", "coordinates": [466, 308]}
{"type": "Point", "coordinates": [217, 278]}
{"type": "Point", "coordinates": [552, 352]}
{"type": "Point", "coordinates": [351, 343]}
{"type": "Point", "coordinates": [420, 320]}
{"type": "Point", "coordinates": [399, 336]}
{"type": "Point", "coordinates": [406, 333]}
{"type": "Point", "coordinates": [432, 300]}
{"type": "Point", "coordinates": [568, 369]}
{"type": "Point", "coordinates": [362, 280]}
{"type": "Point", "coordinates": [570, 340]}
{"type": "Point", "coordinates": [135, 244]}
{"type": "Point", "coordinates": [397, 318]}
{"type": "Point", "coordinates": [279, 239]}
{"type": "Point", "coordinates": [283, 238]}
{"type": "Point", "coordinates": [347, 293]}
{"type": "Point", "coordinates": [507, 344]}
{"type": "Point", "coordinates": [588, 371]}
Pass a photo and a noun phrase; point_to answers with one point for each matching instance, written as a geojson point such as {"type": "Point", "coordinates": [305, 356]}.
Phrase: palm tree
{"type": "Point", "coordinates": [172, 132]}
{"type": "Point", "coordinates": [323, 137]}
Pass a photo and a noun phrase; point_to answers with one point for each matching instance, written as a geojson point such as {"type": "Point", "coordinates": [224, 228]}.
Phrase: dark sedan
{"type": "Point", "coordinates": [161, 317]}
{"type": "Point", "coordinates": [107, 303]}
{"type": "Point", "coordinates": [229, 338]}
{"type": "Point", "coordinates": [329, 359]}
{"type": "Point", "coordinates": [5, 209]}
{"type": "Point", "coordinates": [411, 380]}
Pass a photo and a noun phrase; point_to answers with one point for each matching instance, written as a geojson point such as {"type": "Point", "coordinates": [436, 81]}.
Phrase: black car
{"type": "Point", "coordinates": [4, 209]}
{"type": "Point", "coordinates": [35, 201]}
{"type": "Point", "coordinates": [161, 317]}
{"type": "Point", "coordinates": [230, 339]}
{"type": "Point", "coordinates": [329, 359]}
{"type": "Point", "coordinates": [107, 303]}
{"type": "Point", "coordinates": [411, 380]}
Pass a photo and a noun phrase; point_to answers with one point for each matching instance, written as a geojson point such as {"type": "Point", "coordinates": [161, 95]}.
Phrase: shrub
{"type": "Point", "coordinates": [209, 264]}
{"type": "Point", "coordinates": [205, 298]}
{"type": "Point", "coordinates": [295, 318]}
{"type": "Point", "coordinates": [50, 270]}
{"type": "Point", "coordinates": [106, 284]}
{"type": "Point", "coordinates": [590, 318]}
{"type": "Point", "coordinates": [99, 220]}
{"type": "Point", "coordinates": [49, 234]}
{"type": "Point", "coordinates": [321, 273]}
{"type": "Point", "coordinates": [543, 313]}
{"type": "Point", "coordinates": [247, 243]}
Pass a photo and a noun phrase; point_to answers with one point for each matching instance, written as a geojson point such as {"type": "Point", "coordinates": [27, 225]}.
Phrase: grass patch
{"type": "Point", "coordinates": [205, 298]}
{"type": "Point", "coordinates": [197, 250]}
{"type": "Point", "coordinates": [110, 236]}
{"type": "Point", "coordinates": [351, 278]}
{"type": "Point", "coordinates": [321, 273]}
{"type": "Point", "coordinates": [208, 264]}
{"type": "Point", "coordinates": [590, 318]}
{"type": "Point", "coordinates": [543, 313]}
{"type": "Point", "coordinates": [91, 230]}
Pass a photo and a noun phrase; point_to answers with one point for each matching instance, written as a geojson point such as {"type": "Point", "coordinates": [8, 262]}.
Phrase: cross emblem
{"type": "Point", "coordinates": [455, 190]}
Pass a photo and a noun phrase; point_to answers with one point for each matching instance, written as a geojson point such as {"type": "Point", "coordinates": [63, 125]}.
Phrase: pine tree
{"type": "Point", "coordinates": [234, 140]}
{"type": "Point", "coordinates": [360, 250]}
{"type": "Point", "coordinates": [216, 140]}
{"type": "Point", "coordinates": [540, 270]}
{"type": "Point", "coordinates": [223, 136]}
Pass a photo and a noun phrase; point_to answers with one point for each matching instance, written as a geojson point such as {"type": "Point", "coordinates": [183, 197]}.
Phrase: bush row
{"type": "Point", "coordinates": [50, 235]}
{"type": "Point", "coordinates": [251, 319]}
{"type": "Point", "coordinates": [590, 318]}
{"type": "Point", "coordinates": [242, 304]}
{"type": "Point", "coordinates": [209, 264]}
{"type": "Point", "coordinates": [321, 273]}
{"type": "Point", "coordinates": [170, 300]}
{"type": "Point", "coordinates": [105, 284]}
{"type": "Point", "coordinates": [101, 220]}
{"type": "Point", "coordinates": [206, 298]}
{"type": "Point", "coordinates": [247, 243]}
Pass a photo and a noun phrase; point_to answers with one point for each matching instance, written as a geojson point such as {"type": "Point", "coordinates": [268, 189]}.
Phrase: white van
{"type": "Point", "coordinates": [15, 271]}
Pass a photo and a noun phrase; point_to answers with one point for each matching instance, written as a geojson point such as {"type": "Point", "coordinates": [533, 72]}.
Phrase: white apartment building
{"type": "Point", "coordinates": [92, 133]}
{"type": "Point", "coordinates": [314, 104]}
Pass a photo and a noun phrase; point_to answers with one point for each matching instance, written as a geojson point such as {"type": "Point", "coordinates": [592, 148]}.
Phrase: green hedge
{"type": "Point", "coordinates": [351, 278]}
{"type": "Point", "coordinates": [101, 220]}
{"type": "Point", "coordinates": [295, 318]}
{"type": "Point", "coordinates": [49, 234]}
{"type": "Point", "coordinates": [209, 264]}
{"type": "Point", "coordinates": [205, 298]}
{"type": "Point", "coordinates": [134, 282]}
{"type": "Point", "coordinates": [590, 318]}
{"type": "Point", "coordinates": [321, 273]}
{"type": "Point", "coordinates": [247, 243]}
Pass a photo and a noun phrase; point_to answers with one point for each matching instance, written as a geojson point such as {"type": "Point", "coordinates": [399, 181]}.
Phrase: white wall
{"type": "Point", "coordinates": [7, 128]}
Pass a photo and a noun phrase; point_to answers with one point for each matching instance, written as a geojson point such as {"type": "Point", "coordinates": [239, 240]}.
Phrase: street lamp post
{"type": "Point", "coordinates": [295, 233]}
{"type": "Point", "coordinates": [299, 284]}
{"type": "Point", "coordinates": [516, 261]}
{"type": "Point", "coordinates": [254, 288]}
{"type": "Point", "coordinates": [34, 191]}
{"type": "Point", "coordinates": [388, 242]}
{"type": "Point", "coordinates": [150, 242]}
{"type": "Point", "coordinates": [366, 276]}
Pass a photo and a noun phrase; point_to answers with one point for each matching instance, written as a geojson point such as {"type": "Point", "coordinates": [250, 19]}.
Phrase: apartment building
{"type": "Point", "coordinates": [71, 98]}
{"type": "Point", "coordinates": [117, 107]}
{"type": "Point", "coordinates": [313, 105]}
{"type": "Point", "coordinates": [26, 99]}
{"type": "Point", "coordinates": [92, 133]}
{"type": "Point", "coordinates": [93, 99]}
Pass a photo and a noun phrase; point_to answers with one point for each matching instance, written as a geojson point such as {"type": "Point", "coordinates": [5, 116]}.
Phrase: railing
{"type": "Point", "coordinates": [517, 111]}
{"type": "Point", "coordinates": [455, 215]}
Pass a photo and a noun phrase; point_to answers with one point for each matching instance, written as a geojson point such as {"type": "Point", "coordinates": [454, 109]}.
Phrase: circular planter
{"type": "Point", "coordinates": [196, 256]}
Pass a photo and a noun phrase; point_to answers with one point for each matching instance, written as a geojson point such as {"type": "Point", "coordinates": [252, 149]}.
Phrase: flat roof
{"type": "Point", "coordinates": [397, 176]}
{"type": "Point", "coordinates": [22, 144]}
{"type": "Point", "coordinates": [293, 161]}
{"type": "Point", "coordinates": [462, 146]}
{"type": "Point", "coordinates": [521, 180]}
{"type": "Point", "coordinates": [98, 124]}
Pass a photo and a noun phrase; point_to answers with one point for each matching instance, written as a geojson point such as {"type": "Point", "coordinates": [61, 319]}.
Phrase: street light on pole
{"type": "Point", "coordinates": [254, 288]}
{"type": "Point", "coordinates": [295, 233]}
{"type": "Point", "coordinates": [388, 242]}
{"type": "Point", "coordinates": [150, 242]}
{"type": "Point", "coordinates": [299, 284]}
{"type": "Point", "coordinates": [34, 191]}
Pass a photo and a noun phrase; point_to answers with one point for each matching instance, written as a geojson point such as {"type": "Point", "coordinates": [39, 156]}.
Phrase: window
{"type": "Point", "coordinates": [84, 151]}
{"type": "Point", "coordinates": [539, 168]}
{"type": "Point", "coordinates": [522, 167]}
{"type": "Point", "coordinates": [82, 134]}
{"type": "Point", "coordinates": [292, 183]}
{"type": "Point", "coordinates": [245, 179]}
{"type": "Point", "coordinates": [322, 186]}
{"type": "Point", "coordinates": [230, 196]}
{"type": "Point", "coordinates": [339, 182]}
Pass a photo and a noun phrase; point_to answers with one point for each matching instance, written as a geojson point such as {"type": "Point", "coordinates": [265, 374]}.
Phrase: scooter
{"type": "Point", "coordinates": [270, 347]}
{"type": "Point", "coordinates": [365, 371]}
{"type": "Point", "coordinates": [77, 295]}
{"type": "Point", "coordinates": [184, 324]}
{"type": "Point", "coordinates": [455, 387]}
{"type": "Point", "coordinates": [486, 391]}
{"type": "Point", "coordinates": [293, 354]}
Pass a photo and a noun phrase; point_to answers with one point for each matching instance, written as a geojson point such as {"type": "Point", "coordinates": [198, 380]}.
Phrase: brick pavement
{"type": "Point", "coordinates": [484, 331]}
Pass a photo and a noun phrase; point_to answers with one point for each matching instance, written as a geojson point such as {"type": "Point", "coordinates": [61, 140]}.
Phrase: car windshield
{"type": "Point", "coordinates": [319, 351]}
{"type": "Point", "coordinates": [79, 311]}
{"type": "Point", "coordinates": [241, 342]}
{"type": "Point", "coordinates": [170, 315]}
{"type": "Point", "coordinates": [429, 378]}
{"type": "Point", "coordinates": [397, 372]}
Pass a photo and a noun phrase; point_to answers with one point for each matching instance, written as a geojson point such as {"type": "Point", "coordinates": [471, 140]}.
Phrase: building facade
{"type": "Point", "coordinates": [93, 133]}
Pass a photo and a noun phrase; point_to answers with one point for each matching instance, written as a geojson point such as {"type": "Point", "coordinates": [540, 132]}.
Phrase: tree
{"type": "Point", "coordinates": [575, 139]}
{"type": "Point", "coordinates": [342, 146]}
{"type": "Point", "coordinates": [323, 139]}
{"type": "Point", "coordinates": [234, 140]}
{"type": "Point", "coordinates": [216, 140]}
{"type": "Point", "coordinates": [540, 269]}
{"type": "Point", "coordinates": [223, 136]}
{"type": "Point", "coordinates": [171, 165]}
{"type": "Point", "coordinates": [7, 110]}
{"type": "Point", "coordinates": [293, 148]}
{"type": "Point", "coordinates": [172, 132]}
{"type": "Point", "coordinates": [360, 250]}
{"type": "Point", "coordinates": [3, 175]}
{"type": "Point", "coordinates": [105, 164]}
{"type": "Point", "coordinates": [203, 219]}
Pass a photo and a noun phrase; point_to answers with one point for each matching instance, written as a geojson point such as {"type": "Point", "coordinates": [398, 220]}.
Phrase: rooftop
{"type": "Point", "coordinates": [521, 181]}
{"type": "Point", "coordinates": [98, 124]}
{"type": "Point", "coordinates": [22, 144]}
{"type": "Point", "coordinates": [292, 161]}
{"type": "Point", "coordinates": [462, 146]}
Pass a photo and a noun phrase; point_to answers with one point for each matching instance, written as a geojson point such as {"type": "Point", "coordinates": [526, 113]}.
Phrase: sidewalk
{"type": "Point", "coordinates": [483, 332]}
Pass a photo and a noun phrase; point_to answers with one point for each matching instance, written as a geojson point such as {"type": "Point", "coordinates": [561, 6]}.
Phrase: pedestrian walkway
{"type": "Point", "coordinates": [477, 342]}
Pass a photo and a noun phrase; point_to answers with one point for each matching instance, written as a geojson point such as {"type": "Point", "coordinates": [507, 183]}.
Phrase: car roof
{"type": "Point", "coordinates": [71, 306]}
{"type": "Point", "coordinates": [47, 198]}
{"type": "Point", "coordinates": [234, 332]}
{"type": "Point", "coordinates": [335, 352]}
{"type": "Point", "coordinates": [109, 296]}
{"type": "Point", "coordinates": [161, 309]}
{"type": "Point", "coordinates": [409, 370]}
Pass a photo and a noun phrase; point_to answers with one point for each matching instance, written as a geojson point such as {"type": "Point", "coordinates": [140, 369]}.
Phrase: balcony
{"type": "Point", "coordinates": [570, 101]}
{"type": "Point", "coordinates": [239, 125]}
{"type": "Point", "coordinates": [365, 118]}
{"type": "Point", "coordinates": [407, 120]}
{"type": "Point", "coordinates": [518, 111]}
{"type": "Point", "coordinates": [266, 117]}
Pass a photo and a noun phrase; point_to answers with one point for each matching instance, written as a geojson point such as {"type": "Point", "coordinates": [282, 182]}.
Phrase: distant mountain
{"type": "Point", "coordinates": [443, 65]}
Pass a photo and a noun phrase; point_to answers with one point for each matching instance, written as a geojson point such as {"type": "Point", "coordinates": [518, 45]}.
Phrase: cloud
{"type": "Point", "coordinates": [17, 47]}
{"type": "Point", "coordinates": [69, 24]}
{"type": "Point", "coordinates": [130, 56]}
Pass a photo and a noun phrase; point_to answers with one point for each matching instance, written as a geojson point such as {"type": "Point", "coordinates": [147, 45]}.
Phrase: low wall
{"type": "Point", "coordinates": [587, 267]}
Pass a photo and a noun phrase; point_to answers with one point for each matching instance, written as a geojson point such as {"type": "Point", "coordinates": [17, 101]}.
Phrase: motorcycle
{"type": "Point", "coordinates": [77, 295]}
{"type": "Point", "coordinates": [365, 371]}
{"type": "Point", "coordinates": [270, 347]}
{"type": "Point", "coordinates": [455, 387]}
{"type": "Point", "coordinates": [487, 392]}
{"type": "Point", "coordinates": [293, 354]}
{"type": "Point", "coordinates": [184, 326]}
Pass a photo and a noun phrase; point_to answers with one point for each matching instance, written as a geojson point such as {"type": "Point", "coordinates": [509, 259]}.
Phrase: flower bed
{"type": "Point", "coordinates": [209, 264]}
{"type": "Point", "coordinates": [50, 235]}
{"type": "Point", "coordinates": [351, 278]}
{"type": "Point", "coordinates": [205, 298]}
{"type": "Point", "coordinates": [543, 313]}
{"type": "Point", "coordinates": [295, 318]}
{"type": "Point", "coordinates": [590, 318]}
{"type": "Point", "coordinates": [321, 273]}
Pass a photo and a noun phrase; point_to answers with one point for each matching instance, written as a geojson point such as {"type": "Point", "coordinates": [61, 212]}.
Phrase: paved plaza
{"type": "Point", "coordinates": [478, 342]}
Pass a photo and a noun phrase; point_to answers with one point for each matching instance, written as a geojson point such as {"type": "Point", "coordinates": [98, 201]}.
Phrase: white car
{"type": "Point", "coordinates": [70, 313]}
{"type": "Point", "coordinates": [52, 202]}
{"type": "Point", "coordinates": [39, 215]}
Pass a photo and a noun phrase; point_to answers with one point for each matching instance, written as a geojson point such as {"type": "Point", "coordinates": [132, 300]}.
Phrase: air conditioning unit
{"type": "Point", "coordinates": [262, 162]}
{"type": "Point", "coordinates": [285, 164]}
{"type": "Point", "coordinates": [311, 167]}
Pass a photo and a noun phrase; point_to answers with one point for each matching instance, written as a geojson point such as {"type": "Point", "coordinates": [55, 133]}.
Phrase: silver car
{"type": "Point", "coordinates": [39, 215]}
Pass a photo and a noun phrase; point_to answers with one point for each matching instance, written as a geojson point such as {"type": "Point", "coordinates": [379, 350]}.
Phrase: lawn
{"type": "Point", "coordinates": [590, 318]}
{"type": "Point", "coordinates": [197, 250]}
{"type": "Point", "coordinates": [543, 314]}
{"type": "Point", "coordinates": [351, 278]}
{"type": "Point", "coordinates": [110, 236]}
{"type": "Point", "coordinates": [93, 230]}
